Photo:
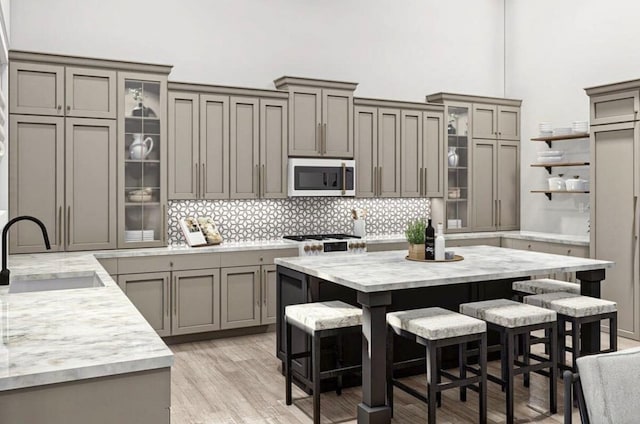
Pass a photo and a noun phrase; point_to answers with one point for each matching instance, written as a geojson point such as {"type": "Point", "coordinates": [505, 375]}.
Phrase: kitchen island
{"type": "Point", "coordinates": [378, 281]}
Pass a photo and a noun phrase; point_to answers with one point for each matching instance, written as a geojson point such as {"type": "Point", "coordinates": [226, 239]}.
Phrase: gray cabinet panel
{"type": "Point", "coordinates": [433, 154]}
{"type": "Point", "coordinates": [244, 163]}
{"type": "Point", "coordinates": [195, 301]}
{"type": "Point", "coordinates": [484, 188]}
{"type": "Point", "coordinates": [508, 185]}
{"type": "Point", "coordinates": [240, 297]}
{"type": "Point", "coordinates": [36, 89]}
{"type": "Point", "coordinates": [337, 121]}
{"type": "Point", "coordinates": [411, 179]}
{"type": "Point", "coordinates": [366, 150]}
{"type": "Point", "coordinates": [508, 123]}
{"type": "Point", "coordinates": [214, 146]}
{"type": "Point", "coordinates": [90, 183]}
{"type": "Point", "coordinates": [273, 148]}
{"type": "Point", "coordinates": [485, 121]}
{"type": "Point", "coordinates": [36, 181]}
{"type": "Point", "coordinates": [614, 217]}
{"type": "Point", "coordinates": [184, 145]}
{"type": "Point", "coordinates": [305, 118]}
{"type": "Point", "coordinates": [149, 293]}
{"type": "Point", "coordinates": [615, 107]}
{"type": "Point", "coordinates": [389, 153]}
{"type": "Point", "coordinates": [269, 299]}
{"type": "Point", "coordinates": [90, 93]}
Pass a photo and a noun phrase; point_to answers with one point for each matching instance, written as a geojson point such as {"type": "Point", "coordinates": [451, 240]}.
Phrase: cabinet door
{"type": "Point", "coordinates": [184, 144]}
{"type": "Point", "coordinates": [90, 183]}
{"type": "Point", "coordinates": [614, 217]}
{"type": "Point", "coordinates": [337, 123]}
{"type": "Point", "coordinates": [484, 184]}
{"type": "Point", "coordinates": [273, 148]}
{"type": "Point", "coordinates": [412, 178]}
{"type": "Point", "coordinates": [36, 181]}
{"type": "Point", "coordinates": [617, 107]}
{"type": "Point", "coordinates": [214, 147]}
{"type": "Point", "coordinates": [245, 162]}
{"type": "Point", "coordinates": [508, 185]}
{"type": "Point", "coordinates": [240, 297]}
{"type": "Point", "coordinates": [366, 150]}
{"type": "Point", "coordinates": [269, 298]}
{"type": "Point", "coordinates": [509, 123]}
{"type": "Point", "coordinates": [90, 93]}
{"type": "Point", "coordinates": [305, 119]}
{"type": "Point", "coordinates": [195, 301]}
{"type": "Point", "coordinates": [485, 121]}
{"type": "Point", "coordinates": [433, 154]}
{"type": "Point", "coordinates": [36, 89]}
{"type": "Point", "coordinates": [149, 293]}
{"type": "Point", "coordinates": [388, 174]}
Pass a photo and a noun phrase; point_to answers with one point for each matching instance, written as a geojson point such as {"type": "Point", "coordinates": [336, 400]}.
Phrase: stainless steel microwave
{"type": "Point", "coordinates": [322, 177]}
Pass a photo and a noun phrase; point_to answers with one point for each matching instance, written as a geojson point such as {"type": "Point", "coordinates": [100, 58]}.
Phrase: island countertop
{"type": "Point", "coordinates": [58, 336]}
{"type": "Point", "coordinates": [383, 271]}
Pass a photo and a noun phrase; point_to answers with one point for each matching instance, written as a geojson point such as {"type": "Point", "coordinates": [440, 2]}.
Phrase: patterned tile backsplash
{"type": "Point", "coordinates": [268, 219]}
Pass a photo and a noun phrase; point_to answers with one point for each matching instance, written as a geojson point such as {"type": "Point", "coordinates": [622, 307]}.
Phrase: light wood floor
{"type": "Point", "coordinates": [237, 380]}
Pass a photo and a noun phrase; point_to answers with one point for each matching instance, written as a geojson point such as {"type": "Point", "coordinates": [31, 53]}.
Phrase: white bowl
{"type": "Point", "coordinates": [545, 153]}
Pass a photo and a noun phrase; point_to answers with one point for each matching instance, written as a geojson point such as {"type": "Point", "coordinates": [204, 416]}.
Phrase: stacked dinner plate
{"type": "Point", "coordinates": [549, 156]}
{"type": "Point", "coordinates": [138, 236]}
{"type": "Point", "coordinates": [580, 127]}
{"type": "Point", "coordinates": [562, 131]}
{"type": "Point", "coordinates": [545, 129]}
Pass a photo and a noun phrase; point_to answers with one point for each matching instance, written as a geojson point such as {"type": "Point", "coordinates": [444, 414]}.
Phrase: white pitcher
{"type": "Point", "coordinates": [140, 149]}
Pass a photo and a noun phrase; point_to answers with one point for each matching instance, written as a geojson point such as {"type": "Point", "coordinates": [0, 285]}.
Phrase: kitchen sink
{"type": "Point", "coordinates": [34, 283]}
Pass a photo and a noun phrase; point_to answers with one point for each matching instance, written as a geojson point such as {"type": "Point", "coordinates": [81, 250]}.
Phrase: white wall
{"type": "Point", "coordinates": [394, 49]}
{"type": "Point", "coordinates": [554, 50]}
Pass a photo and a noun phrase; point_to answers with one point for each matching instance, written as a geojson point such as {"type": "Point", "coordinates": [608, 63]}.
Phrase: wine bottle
{"type": "Point", "coordinates": [429, 242]}
{"type": "Point", "coordinates": [439, 254]}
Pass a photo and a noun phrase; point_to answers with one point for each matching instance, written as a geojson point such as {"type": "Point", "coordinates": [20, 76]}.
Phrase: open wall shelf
{"type": "Point", "coordinates": [550, 165]}
{"type": "Point", "coordinates": [552, 138]}
{"type": "Point", "coordinates": [548, 193]}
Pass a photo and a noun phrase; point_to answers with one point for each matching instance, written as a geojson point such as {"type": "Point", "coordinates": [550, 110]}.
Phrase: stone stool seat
{"type": "Point", "coordinates": [320, 319]}
{"type": "Point", "coordinates": [435, 328]}
{"type": "Point", "coordinates": [545, 285]}
{"type": "Point", "coordinates": [511, 319]}
{"type": "Point", "coordinates": [577, 310]}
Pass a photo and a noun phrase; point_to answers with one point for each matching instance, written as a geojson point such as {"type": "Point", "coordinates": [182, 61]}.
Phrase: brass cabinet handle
{"type": "Point", "coordinates": [324, 136]}
{"type": "Point", "coordinates": [495, 213]}
{"type": "Point", "coordinates": [164, 223]}
{"type": "Point", "coordinates": [68, 225]}
{"type": "Point", "coordinates": [203, 179]}
{"type": "Point", "coordinates": [262, 181]}
{"type": "Point", "coordinates": [256, 181]}
{"type": "Point", "coordinates": [196, 177]}
{"type": "Point", "coordinates": [175, 295]}
{"type": "Point", "coordinates": [257, 290]}
{"type": "Point", "coordinates": [344, 178]}
{"type": "Point", "coordinates": [426, 190]}
{"type": "Point", "coordinates": [264, 287]}
{"type": "Point", "coordinates": [420, 182]}
{"type": "Point", "coordinates": [500, 212]}
{"type": "Point", "coordinates": [375, 181]}
{"type": "Point", "coordinates": [60, 225]}
{"type": "Point", "coordinates": [380, 182]}
{"type": "Point", "coordinates": [635, 204]}
{"type": "Point", "coordinates": [166, 296]}
{"type": "Point", "coordinates": [319, 137]}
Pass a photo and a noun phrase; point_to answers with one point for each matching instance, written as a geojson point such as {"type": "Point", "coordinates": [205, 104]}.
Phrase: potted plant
{"type": "Point", "coordinates": [415, 237]}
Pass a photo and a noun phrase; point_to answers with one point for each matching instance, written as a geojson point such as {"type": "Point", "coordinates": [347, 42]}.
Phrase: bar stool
{"type": "Point", "coordinates": [435, 328]}
{"type": "Point", "coordinates": [512, 319]}
{"type": "Point", "coordinates": [319, 320]}
{"type": "Point", "coordinates": [542, 286]}
{"type": "Point", "coordinates": [577, 310]}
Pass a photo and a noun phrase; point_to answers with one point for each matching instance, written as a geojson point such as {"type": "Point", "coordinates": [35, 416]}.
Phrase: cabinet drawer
{"type": "Point", "coordinates": [385, 247]}
{"type": "Point", "coordinates": [616, 107]}
{"type": "Point", "coordinates": [488, 241]}
{"type": "Point", "coordinates": [139, 264]}
{"type": "Point", "coordinates": [255, 257]}
{"type": "Point", "coordinates": [195, 261]}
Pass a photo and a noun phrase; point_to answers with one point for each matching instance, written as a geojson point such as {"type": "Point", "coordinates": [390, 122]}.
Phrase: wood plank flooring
{"type": "Point", "coordinates": [237, 380]}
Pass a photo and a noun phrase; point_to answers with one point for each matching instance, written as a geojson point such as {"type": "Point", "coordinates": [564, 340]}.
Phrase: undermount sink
{"type": "Point", "coordinates": [34, 283]}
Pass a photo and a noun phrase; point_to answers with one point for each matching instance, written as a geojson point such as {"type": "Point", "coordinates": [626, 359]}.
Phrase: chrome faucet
{"type": "Point", "coordinates": [4, 274]}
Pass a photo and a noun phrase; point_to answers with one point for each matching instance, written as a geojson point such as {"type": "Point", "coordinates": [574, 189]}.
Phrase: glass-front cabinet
{"type": "Point", "coordinates": [457, 201]}
{"type": "Point", "coordinates": [142, 197]}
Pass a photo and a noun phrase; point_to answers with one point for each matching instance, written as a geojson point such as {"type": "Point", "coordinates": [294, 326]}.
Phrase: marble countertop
{"type": "Point", "coordinates": [522, 235]}
{"type": "Point", "coordinates": [382, 271]}
{"type": "Point", "coordinates": [66, 335]}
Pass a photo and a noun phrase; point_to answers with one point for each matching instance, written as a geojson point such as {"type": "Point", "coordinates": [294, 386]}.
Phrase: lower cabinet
{"type": "Point", "coordinates": [195, 301]}
{"type": "Point", "coordinates": [247, 295]}
{"type": "Point", "coordinates": [269, 306]}
{"type": "Point", "coordinates": [149, 293]}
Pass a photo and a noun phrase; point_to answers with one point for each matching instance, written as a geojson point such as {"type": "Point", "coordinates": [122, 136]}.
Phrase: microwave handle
{"type": "Point", "coordinates": [344, 178]}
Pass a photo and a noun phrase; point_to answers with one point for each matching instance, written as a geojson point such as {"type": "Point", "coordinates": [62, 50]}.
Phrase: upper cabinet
{"type": "Point", "coordinates": [56, 90]}
{"type": "Point", "coordinates": [320, 117]}
{"type": "Point", "coordinates": [496, 121]}
{"type": "Point", "coordinates": [227, 143]}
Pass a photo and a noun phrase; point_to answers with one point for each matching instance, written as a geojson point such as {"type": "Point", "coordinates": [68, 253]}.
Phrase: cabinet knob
{"type": "Point", "coordinates": [59, 107]}
{"type": "Point", "coordinates": [68, 108]}
{"type": "Point", "coordinates": [529, 246]}
{"type": "Point", "coordinates": [171, 264]}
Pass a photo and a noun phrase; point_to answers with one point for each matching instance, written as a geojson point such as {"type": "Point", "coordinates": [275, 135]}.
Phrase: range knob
{"type": "Point", "coordinates": [307, 248]}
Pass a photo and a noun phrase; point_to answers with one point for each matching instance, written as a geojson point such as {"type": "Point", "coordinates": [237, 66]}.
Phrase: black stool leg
{"type": "Point", "coordinates": [575, 342]}
{"type": "Point", "coordinates": [339, 363]}
{"type": "Point", "coordinates": [526, 342]}
{"type": "Point", "coordinates": [432, 382]}
{"type": "Point", "coordinates": [482, 387]}
{"type": "Point", "coordinates": [439, 376]}
{"type": "Point", "coordinates": [562, 342]}
{"type": "Point", "coordinates": [613, 332]}
{"type": "Point", "coordinates": [503, 358]}
{"type": "Point", "coordinates": [553, 377]}
{"type": "Point", "coordinates": [315, 365]}
{"type": "Point", "coordinates": [390, 369]}
{"type": "Point", "coordinates": [288, 363]}
{"type": "Point", "coordinates": [462, 365]}
{"type": "Point", "coordinates": [509, 347]}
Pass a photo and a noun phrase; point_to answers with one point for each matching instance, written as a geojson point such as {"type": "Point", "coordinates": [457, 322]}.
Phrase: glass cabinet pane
{"type": "Point", "coordinates": [457, 203]}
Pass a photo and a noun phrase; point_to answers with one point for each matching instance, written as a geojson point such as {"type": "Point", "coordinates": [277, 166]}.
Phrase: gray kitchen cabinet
{"type": "Point", "coordinates": [366, 150]}
{"type": "Point", "coordinates": [48, 89]}
{"type": "Point", "coordinates": [320, 117]}
{"type": "Point", "coordinates": [245, 148]}
{"type": "Point", "coordinates": [36, 181]}
{"type": "Point", "coordinates": [433, 153]}
{"type": "Point", "coordinates": [240, 297]}
{"type": "Point", "coordinates": [195, 301]}
{"type": "Point", "coordinates": [149, 293]}
{"type": "Point", "coordinates": [612, 107]}
{"type": "Point", "coordinates": [411, 179]}
{"type": "Point", "coordinates": [496, 121]}
{"type": "Point", "coordinates": [90, 184]}
{"type": "Point", "coordinates": [269, 298]}
{"type": "Point", "coordinates": [495, 200]}
{"type": "Point", "coordinates": [214, 147]}
{"type": "Point", "coordinates": [184, 145]}
{"type": "Point", "coordinates": [389, 162]}
{"type": "Point", "coordinates": [273, 148]}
